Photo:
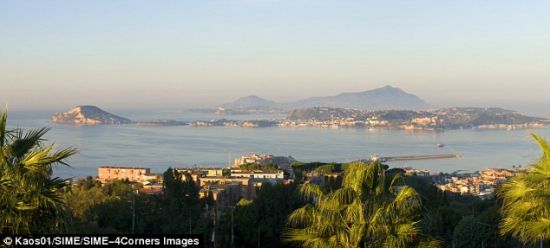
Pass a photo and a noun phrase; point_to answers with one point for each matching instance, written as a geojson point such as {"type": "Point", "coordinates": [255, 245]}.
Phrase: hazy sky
{"type": "Point", "coordinates": [174, 54]}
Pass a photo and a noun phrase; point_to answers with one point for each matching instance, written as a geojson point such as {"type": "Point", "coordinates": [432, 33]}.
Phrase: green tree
{"type": "Point", "coordinates": [182, 206]}
{"type": "Point", "coordinates": [245, 224]}
{"type": "Point", "coordinates": [526, 201]}
{"type": "Point", "coordinates": [30, 198]}
{"type": "Point", "coordinates": [429, 243]}
{"type": "Point", "coordinates": [116, 207]}
{"type": "Point", "coordinates": [97, 208]}
{"type": "Point", "coordinates": [263, 218]}
{"type": "Point", "coordinates": [470, 233]}
{"type": "Point", "coordinates": [80, 199]}
{"type": "Point", "coordinates": [254, 166]}
{"type": "Point", "coordinates": [369, 210]}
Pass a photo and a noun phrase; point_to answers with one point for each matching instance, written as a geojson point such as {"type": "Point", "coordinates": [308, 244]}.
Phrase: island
{"type": "Point", "coordinates": [429, 120]}
{"type": "Point", "coordinates": [88, 115]}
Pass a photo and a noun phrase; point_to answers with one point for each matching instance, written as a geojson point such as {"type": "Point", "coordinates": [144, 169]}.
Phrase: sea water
{"type": "Point", "coordinates": [160, 147]}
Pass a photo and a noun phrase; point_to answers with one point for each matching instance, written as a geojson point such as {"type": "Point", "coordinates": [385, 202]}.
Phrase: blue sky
{"type": "Point", "coordinates": [177, 54]}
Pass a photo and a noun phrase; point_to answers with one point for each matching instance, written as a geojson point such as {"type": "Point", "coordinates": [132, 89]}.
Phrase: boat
{"type": "Point", "coordinates": [440, 145]}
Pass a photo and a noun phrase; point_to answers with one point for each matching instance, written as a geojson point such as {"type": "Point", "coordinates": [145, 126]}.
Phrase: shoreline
{"type": "Point", "coordinates": [275, 124]}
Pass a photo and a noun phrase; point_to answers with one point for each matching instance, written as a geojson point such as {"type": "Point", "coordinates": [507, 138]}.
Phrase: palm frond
{"type": "Point", "coordinates": [364, 210]}
{"type": "Point", "coordinates": [3, 125]}
{"type": "Point", "coordinates": [25, 142]}
{"type": "Point", "coordinates": [526, 201]}
{"type": "Point", "coordinates": [30, 199]}
{"type": "Point", "coordinates": [311, 191]}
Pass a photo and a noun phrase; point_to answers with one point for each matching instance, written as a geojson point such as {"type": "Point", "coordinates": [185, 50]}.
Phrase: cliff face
{"type": "Point", "coordinates": [88, 115]}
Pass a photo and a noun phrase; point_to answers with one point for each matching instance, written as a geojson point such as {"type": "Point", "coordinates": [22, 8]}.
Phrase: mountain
{"type": "Point", "coordinates": [387, 97]}
{"type": "Point", "coordinates": [88, 115]}
{"type": "Point", "coordinates": [250, 102]}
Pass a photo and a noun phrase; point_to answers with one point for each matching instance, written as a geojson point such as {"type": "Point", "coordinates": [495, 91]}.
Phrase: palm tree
{"type": "Point", "coordinates": [369, 210]}
{"type": "Point", "coordinates": [526, 201]}
{"type": "Point", "coordinates": [30, 199]}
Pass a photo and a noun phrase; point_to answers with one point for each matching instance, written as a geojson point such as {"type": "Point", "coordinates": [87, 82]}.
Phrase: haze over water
{"type": "Point", "coordinates": [160, 147]}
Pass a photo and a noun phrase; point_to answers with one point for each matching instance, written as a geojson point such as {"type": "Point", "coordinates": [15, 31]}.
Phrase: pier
{"type": "Point", "coordinates": [415, 157]}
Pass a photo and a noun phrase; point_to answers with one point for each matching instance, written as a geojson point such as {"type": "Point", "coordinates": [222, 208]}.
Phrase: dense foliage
{"type": "Point", "coordinates": [370, 209]}
{"type": "Point", "coordinates": [254, 166]}
{"type": "Point", "coordinates": [30, 199]}
{"type": "Point", "coordinates": [260, 222]}
{"type": "Point", "coordinates": [526, 201]}
{"type": "Point", "coordinates": [116, 208]}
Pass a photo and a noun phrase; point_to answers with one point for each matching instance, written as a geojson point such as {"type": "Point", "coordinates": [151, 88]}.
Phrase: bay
{"type": "Point", "coordinates": [160, 147]}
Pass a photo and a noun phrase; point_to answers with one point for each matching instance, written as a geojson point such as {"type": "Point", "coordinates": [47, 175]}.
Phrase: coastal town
{"type": "Point", "coordinates": [429, 120]}
{"type": "Point", "coordinates": [482, 184]}
{"type": "Point", "coordinates": [240, 180]}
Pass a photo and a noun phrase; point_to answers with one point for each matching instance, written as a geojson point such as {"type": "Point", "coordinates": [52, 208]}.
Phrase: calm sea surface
{"type": "Point", "coordinates": [161, 147]}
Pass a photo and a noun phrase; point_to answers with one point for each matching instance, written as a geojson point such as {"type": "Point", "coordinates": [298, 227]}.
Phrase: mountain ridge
{"type": "Point", "coordinates": [383, 98]}
{"type": "Point", "coordinates": [250, 101]}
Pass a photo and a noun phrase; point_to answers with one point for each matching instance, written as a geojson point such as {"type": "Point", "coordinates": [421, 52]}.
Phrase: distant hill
{"type": "Point", "coordinates": [446, 118]}
{"type": "Point", "coordinates": [250, 102]}
{"type": "Point", "coordinates": [88, 115]}
{"type": "Point", "coordinates": [460, 116]}
{"type": "Point", "coordinates": [385, 98]}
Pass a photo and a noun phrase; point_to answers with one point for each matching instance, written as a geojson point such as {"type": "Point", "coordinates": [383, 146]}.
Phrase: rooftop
{"type": "Point", "coordinates": [123, 167]}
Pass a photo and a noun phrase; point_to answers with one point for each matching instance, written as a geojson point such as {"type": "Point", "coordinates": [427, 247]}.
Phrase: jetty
{"type": "Point", "coordinates": [414, 157]}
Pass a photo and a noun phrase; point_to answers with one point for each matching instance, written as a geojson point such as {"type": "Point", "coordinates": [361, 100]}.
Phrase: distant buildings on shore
{"type": "Point", "coordinates": [482, 184]}
{"type": "Point", "coordinates": [435, 119]}
{"type": "Point", "coordinates": [264, 159]}
{"type": "Point", "coordinates": [134, 174]}
{"type": "Point", "coordinates": [225, 185]}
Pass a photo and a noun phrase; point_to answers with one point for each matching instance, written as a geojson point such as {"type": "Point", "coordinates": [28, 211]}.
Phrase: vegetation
{"type": "Point", "coordinates": [526, 201]}
{"type": "Point", "coordinates": [253, 166]}
{"type": "Point", "coordinates": [301, 168]}
{"type": "Point", "coordinates": [369, 210]}
{"type": "Point", "coordinates": [469, 233]}
{"type": "Point", "coordinates": [30, 199]}
{"type": "Point", "coordinates": [260, 222]}
{"type": "Point", "coordinates": [116, 208]}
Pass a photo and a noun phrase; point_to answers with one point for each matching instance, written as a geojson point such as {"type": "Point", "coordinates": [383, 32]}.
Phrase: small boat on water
{"type": "Point", "coordinates": [440, 145]}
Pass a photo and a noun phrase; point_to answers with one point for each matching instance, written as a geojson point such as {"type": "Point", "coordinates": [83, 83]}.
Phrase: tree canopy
{"type": "Point", "coordinates": [31, 200]}
{"type": "Point", "coordinates": [526, 201]}
{"type": "Point", "coordinates": [370, 209]}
